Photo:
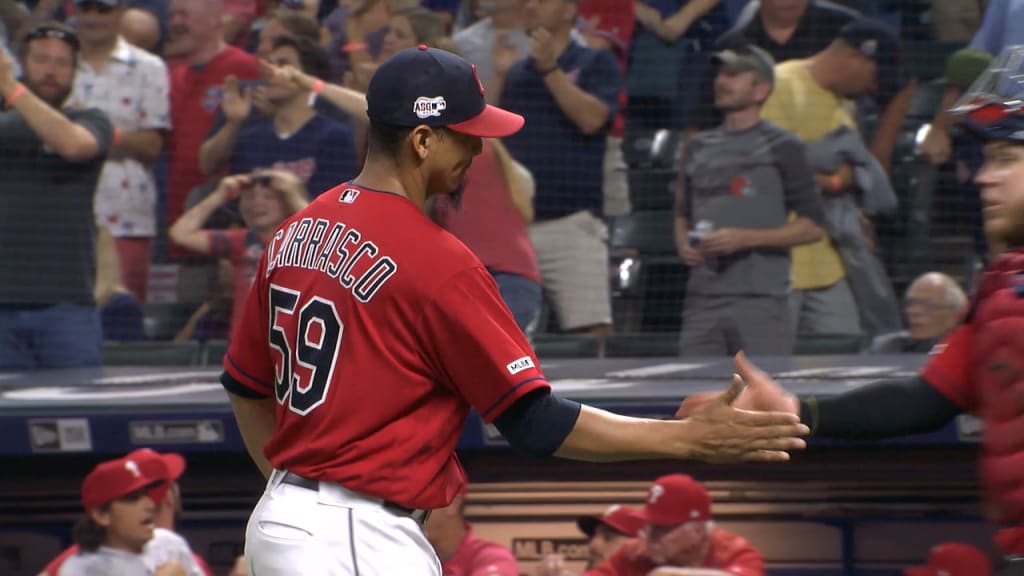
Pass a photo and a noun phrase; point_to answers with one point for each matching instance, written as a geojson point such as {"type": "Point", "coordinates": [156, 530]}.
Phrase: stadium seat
{"type": "Point", "coordinates": [829, 344]}
{"type": "Point", "coordinates": [642, 345]}
{"type": "Point", "coordinates": [646, 232]}
{"type": "Point", "coordinates": [651, 149]}
{"type": "Point", "coordinates": [565, 346]}
{"type": "Point", "coordinates": [212, 353]}
{"type": "Point", "coordinates": [150, 353]}
{"type": "Point", "coordinates": [163, 321]}
{"type": "Point", "coordinates": [651, 188]}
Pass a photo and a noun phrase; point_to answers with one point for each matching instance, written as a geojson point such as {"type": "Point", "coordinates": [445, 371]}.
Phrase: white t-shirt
{"type": "Point", "coordinates": [105, 561]}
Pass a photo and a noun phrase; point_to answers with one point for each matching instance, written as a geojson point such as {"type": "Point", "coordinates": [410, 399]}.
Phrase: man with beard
{"type": "Point", "coordinates": [737, 186]}
{"type": "Point", "coordinates": [680, 535]}
{"type": "Point", "coordinates": [369, 333]}
{"type": "Point", "coordinates": [50, 159]}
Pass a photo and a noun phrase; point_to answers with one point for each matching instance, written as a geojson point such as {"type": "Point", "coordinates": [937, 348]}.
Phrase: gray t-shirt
{"type": "Point", "coordinates": [47, 227]}
{"type": "Point", "coordinates": [751, 178]}
{"type": "Point", "coordinates": [105, 561]}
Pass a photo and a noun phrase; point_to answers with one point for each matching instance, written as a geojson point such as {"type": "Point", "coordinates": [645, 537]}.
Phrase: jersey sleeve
{"type": "Point", "coordinates": [494, 559]}
{"type": "Point", "coordinates": [948, 369]}
{"type": "Point", "coordinates": [474, 344]}
{"type": "Point", "coordinates": [53, 567]}
{"type": "Point", "coordinates": [248, 366]}
{"type": "Point", "coordinates": [735, 555]}
{"type": "Point", "coordinates": [228, 244]}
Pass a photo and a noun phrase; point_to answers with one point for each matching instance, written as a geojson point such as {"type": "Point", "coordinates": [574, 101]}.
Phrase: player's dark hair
{"type": "Point", "coordinates": [88, 534]}
{"type": "Point", "coordinates": [312, 56]}
{"type": "Point", "coordinates": [297, 24]}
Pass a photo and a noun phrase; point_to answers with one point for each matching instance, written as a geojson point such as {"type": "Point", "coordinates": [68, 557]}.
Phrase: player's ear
{"type": "Point", "coordinates": [422, 138]}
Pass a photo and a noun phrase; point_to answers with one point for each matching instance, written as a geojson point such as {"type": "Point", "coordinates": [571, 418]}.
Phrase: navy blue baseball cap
{"type": "Point", "coordinates": [877, 42]}
{"type": "Point", "coordinates": [437, 88]}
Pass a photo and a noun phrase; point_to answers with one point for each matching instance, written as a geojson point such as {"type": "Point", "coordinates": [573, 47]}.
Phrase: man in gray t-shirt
{"type": "Point", "coordinates": [744, 196]}
{"type": "Point", "coordinates": [50, 162]}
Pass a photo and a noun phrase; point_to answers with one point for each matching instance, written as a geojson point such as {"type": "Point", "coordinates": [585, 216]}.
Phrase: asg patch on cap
{"type": "Point", "coordinates": [425, 107]}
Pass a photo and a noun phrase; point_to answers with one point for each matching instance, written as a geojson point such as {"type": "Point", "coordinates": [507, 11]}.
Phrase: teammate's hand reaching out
{"type": "Point", "coordinates": [761, 393]}
{"type": "Point", "coordinates": [721, 432]}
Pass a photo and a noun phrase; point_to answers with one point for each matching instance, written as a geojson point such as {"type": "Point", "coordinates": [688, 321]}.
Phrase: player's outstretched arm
{"type": "Point", "coordinates": [883, 409]}
{"type": "Point", "coordinates": [256, 421]}
{"type": "Point", "coordinates": [716, 432]}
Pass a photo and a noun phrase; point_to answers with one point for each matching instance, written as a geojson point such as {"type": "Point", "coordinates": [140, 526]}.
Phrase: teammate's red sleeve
{"type": "Point", "coordinates": [203, 566]}
{"type": "Point", "coordinates": [54, 566]}
{"type": "Point", "coordinates": [948, 369]}
{"type": "Point", "coordinates": [734, 554]}
{"type": "Point", "coordinates": [248, 360]}
{"type": "Point", "coordinates": [475, 345]}
{"type": "Point", "coordinates": [494, 559]}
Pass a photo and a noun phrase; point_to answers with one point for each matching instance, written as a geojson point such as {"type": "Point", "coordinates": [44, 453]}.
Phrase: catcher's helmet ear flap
{"type": "Point", "coordinates": [993, 106]}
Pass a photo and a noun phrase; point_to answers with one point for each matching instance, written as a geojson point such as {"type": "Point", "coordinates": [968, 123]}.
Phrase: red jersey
{"type": "Point", "coordinates": [488, 222]}
{"type": "Point", "coordinates": [195, 97]}
{"type": "Point", "coordinates": [244, 249]}
{"type": "Point", "coordinates": [949, 369]}
{"type": "Point", "coordinates": [729, 552]}
{"type": "Point", "coordinates": [376, 330]}
{"type": "Point", "coordinates": [476, 557]}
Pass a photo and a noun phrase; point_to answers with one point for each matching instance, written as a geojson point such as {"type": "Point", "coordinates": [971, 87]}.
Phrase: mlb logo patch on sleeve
{"type": "Point", "coordinates": [348, 196]}
{"type": "Point", "coordinates": [517, 366]}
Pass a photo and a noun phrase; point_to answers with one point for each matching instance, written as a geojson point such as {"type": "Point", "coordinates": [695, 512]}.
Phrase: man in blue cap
{"type": "Point", "coordinates": [370, 332]}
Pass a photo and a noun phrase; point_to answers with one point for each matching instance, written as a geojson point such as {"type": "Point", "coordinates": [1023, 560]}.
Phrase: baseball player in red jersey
{"type": "Point", "coordinates": [979, 369]}
{"type": "Point", "coordinates": [681, 535]}
{"type": "Point", "coordinates": [370, 332]}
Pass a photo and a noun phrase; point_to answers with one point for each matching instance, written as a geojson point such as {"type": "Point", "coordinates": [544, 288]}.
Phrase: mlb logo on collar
{"type": "Point", "coordinates": [348, 196]}
{"type": "Point", "coordinates": [426, 107]}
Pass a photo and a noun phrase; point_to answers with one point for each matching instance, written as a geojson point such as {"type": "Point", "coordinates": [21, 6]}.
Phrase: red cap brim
{"type": "Point", "coordinates": [493, 122]}
{"type": "Point", "coordinates": [175, 465]}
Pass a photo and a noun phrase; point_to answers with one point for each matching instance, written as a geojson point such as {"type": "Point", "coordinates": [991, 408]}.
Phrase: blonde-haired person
{"type": "Point", "coordinates": [266, 198]}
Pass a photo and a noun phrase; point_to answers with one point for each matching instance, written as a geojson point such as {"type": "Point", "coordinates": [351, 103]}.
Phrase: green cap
{"type": "Point", "coordinates": [749, 58]}
{"type": "Point", "coordinates": [964, 66]}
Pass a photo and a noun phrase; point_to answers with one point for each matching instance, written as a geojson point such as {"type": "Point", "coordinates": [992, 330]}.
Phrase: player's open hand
{"type": "Point", "coordinates": [720, 432]}
{"type": "Point", "coordinates": [762, 393]}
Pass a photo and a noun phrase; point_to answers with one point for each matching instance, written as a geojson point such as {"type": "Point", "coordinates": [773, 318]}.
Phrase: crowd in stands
{"type": "Point", "coordinates": [141, 135]}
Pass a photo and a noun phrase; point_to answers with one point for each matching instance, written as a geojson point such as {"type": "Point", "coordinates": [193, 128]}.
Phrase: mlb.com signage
{"type": "Point", "coordinates": [535, 549]}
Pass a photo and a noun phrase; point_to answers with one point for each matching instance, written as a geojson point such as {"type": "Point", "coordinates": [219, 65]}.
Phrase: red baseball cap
{"type": "Point", "coordinates": [169, 466]}
{"type": "Point", "coordinates": [953, 559]}
{"type": "Point", "coordinates": [676, 499]}
{"type": "Point", "coordinates": [113, 479]}
{"type": "Point", "coordinates": [624, 519]}
{"type": "Point", "coordinates": [436, 88]}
